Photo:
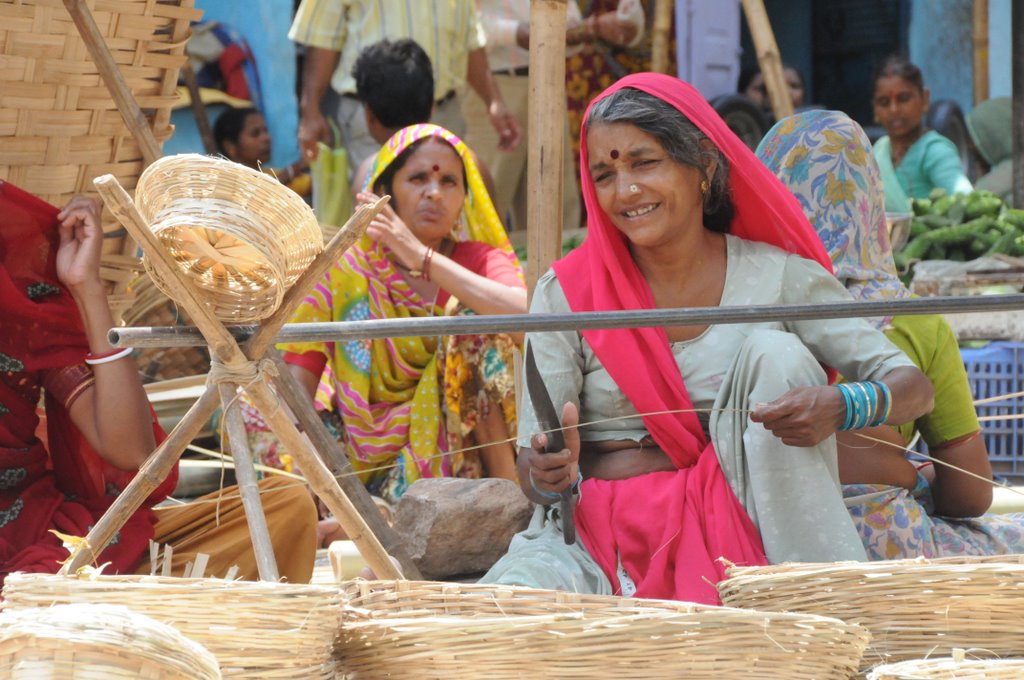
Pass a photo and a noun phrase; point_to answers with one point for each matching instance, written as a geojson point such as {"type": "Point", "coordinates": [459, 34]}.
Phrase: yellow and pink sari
{"type": "Point", "coordinates": [401, 405]}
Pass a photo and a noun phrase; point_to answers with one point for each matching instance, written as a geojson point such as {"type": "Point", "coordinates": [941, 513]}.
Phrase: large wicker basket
{"type": "Point", "coordinates": [950, 669]}
{"type": "Point", "coordinates": [255, 629]}
{"type": "Point", "coordinates": [415, 629]}
{"type": "Point", "coordinates": [97, 642]}
{"type": "Point", "coordinates": [239, 235]}
{"type": "Point", "coordinates": [59, 125]}
{"type": "Point", "coordinates": [913, 608]}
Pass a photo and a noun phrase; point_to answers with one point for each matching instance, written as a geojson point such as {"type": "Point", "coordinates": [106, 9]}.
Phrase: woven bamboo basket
{"type": "Point", "coordinates": [242, 237]}
{"type": "Point", "coordinates": [254, 629]}
{"type": "Point", "coordinates": [913, 608]}
{"type": "Point", "coordinates": [98, 642]}
{"type": "Point", "coordinates": [395, 629]}
{"type": "Point", "coordinates": [59, 125]}
{"type": "Point", "coordinates": [950, 669]}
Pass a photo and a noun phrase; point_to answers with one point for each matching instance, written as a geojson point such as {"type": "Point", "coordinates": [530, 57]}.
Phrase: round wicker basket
{"type": "Point", "coordinates": [240, 236]}
{"type": "Point", "coordinates": [98, 642]}
{"type": "Point", "coordinates": [950, 669]}
{"type": "Point", "coordinates": [447, 630]}
{"type": "Point", "coordinates": [254, 629]}
{"type": "Point", "coordinates": [913, 608]}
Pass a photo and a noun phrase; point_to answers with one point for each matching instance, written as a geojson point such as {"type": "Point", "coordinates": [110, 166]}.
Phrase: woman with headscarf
{"type": "Point", "coordinates": [990, 125]}
{"type": "Point", "coordinates": [60, 470]}
{"type": "Point", "coordinates": [705, 442]}
{"type": "Point", "coordinates": [825, 159]}
{"type": "Point", "coordinates": [404, 405]}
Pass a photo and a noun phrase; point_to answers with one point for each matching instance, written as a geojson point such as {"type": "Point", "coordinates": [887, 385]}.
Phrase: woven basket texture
{"type": "Point", "coordinates": [255, 629]}
{"type": "Point", "coordinates": [950, 669]}
{"type": "Point", "coordinates": [913, 608]}
{"type": "Point", "coordinates": [59, 125]}
{"type": "Point", "coordinates": [239, 235]}
{"type": "Point", "coordinates": [449, 630]}
{"type": "Point", "coordinates": [98, 642]}
{"type": "Point", "coordinates": [150, 307]}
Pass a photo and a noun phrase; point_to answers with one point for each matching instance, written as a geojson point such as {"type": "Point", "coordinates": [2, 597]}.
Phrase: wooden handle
{"type": "Point", "coordinates": [768, 57]}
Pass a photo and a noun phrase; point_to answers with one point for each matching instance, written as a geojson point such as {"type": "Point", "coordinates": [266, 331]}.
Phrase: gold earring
{"type": "Point", "coordinates": [703, 187]}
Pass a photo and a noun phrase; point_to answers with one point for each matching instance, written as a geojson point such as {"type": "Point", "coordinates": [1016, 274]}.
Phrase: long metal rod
{"type": "Point", "coordinates": [173, 336]}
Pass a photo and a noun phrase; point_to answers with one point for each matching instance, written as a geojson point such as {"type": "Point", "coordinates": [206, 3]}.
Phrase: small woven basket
{"type": "Point", "coordinates": [242, 237]}
{"type": "Point", "coordinates": [98, 642]}
{"type": "Point", "coordinates": [449, 630]}
{"type": "Point", "coordinates": [913, 608]}
{"type": "Point", "coordinates": [254, 629]}
{"type": "Point", "coordinates": [950, 669]}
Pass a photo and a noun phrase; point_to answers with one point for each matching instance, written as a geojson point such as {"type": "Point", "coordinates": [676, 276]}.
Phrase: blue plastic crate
{"type": "Point", "coordinates": [995, 370]}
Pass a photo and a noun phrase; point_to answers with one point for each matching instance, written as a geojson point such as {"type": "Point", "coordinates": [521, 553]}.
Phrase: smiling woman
{"type": "Point", "coordinates": [695, 443]}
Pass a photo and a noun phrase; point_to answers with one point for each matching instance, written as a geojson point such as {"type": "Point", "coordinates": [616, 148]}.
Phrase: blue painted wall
{"type": "Point", "coordinates": [1000, 61]}
{"type": "Point", "coordinates": [264, 24]}
{"type": "Point", "coordinates": [940, 44]}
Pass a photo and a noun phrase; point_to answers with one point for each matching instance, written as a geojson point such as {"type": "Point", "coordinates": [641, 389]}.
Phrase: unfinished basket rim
{"type": "Point", "coordinates": [71, 639]}
{"type": "Point", "coordinates": [496, 629]}
{"type": "Point", "coordinates": [914, 608]}
{"type": "Point", "coordinates": [256, 629]}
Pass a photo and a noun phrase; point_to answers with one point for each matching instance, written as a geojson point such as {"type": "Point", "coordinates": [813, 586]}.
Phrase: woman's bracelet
{"type": "Point", "coordinates": [107, 357]}
{"type": "Point", "coordinates": [551, 495]}
{"type": "Point", "coordinates": [868, 404]}
{"type": "Point", "coordinates": [425, 269]}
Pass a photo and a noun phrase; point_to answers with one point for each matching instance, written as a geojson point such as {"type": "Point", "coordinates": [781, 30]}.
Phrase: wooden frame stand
{"type": "Point", "coordinates": [251, 369]}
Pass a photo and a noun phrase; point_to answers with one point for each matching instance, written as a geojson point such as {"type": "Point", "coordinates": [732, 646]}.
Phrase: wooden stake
{"type": "Point", "coordinates": [661, 35]}
{"type": "Point", "coordinates": [322, 481]}
{"type": "Point", "coordinates": [198, 108]}
{"type": "Point", "coordinates": [132, 115]}
{"type": "Point", "coordinates": [547, 113]}
{"type": "Point", "coordinates": [248, 489]}
{"type": "Point", "coordinates": [980, 41]}
{"type": "Point", "coordinates": [1017, 77]}
{"type": "Point", "coordinates": [768, 57]}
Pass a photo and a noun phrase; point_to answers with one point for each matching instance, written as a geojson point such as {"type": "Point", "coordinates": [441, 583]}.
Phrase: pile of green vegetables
{"type": "Point", "coordinates": [962, 227]}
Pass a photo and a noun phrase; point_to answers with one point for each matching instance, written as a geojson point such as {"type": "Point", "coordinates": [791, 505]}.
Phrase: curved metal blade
{"type": "Point", "coordinates": [547, 418]}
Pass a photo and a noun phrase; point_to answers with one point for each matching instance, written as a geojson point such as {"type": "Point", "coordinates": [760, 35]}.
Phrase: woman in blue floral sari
{"type": "Point", "coordinates": [900, 510]}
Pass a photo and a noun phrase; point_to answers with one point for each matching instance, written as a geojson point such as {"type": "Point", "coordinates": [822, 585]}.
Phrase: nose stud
{"type": "Point", "coordinates": [634, 188]}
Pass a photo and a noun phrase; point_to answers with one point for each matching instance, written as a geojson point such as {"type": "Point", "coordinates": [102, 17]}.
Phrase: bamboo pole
{"type": "Point", "coordinates": [342, 331]}
{"type": "Point", "coordinates": [198, 108]}
{"type": "Point", "coordinates": [980, 41]}
{"type": "Point", "coordinates": [768, 57]}
{"type": "Point", "coordinates": [1017, 31]}
{"type": "Point", "coordinates": [661, 35]}
{"type": "Point", "coordinates": [547, 115]}
{"type": "Point", "coordinates": [248, 489]}
{"type": "Point", "coordinates": [99, 51]}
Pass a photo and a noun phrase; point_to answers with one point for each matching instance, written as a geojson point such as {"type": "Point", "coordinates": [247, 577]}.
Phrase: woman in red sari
{"type": "Point", "coordinates": [694, 442]}
{"type": "Point", "coordinates": [99, 428]}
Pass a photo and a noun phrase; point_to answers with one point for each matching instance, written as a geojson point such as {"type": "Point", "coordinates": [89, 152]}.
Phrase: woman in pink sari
{"type": "Point", "coordinates": [721, 439]}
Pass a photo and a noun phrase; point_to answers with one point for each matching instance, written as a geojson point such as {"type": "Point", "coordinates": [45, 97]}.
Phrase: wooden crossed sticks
{"type": "Point", "coordinates": [251, 367]}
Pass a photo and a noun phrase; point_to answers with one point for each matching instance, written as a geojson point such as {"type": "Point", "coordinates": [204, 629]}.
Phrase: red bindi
{"type": "Point", "coordinates": [615, 154]}
{"type": "Point", "coordinates": [437, 168]}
